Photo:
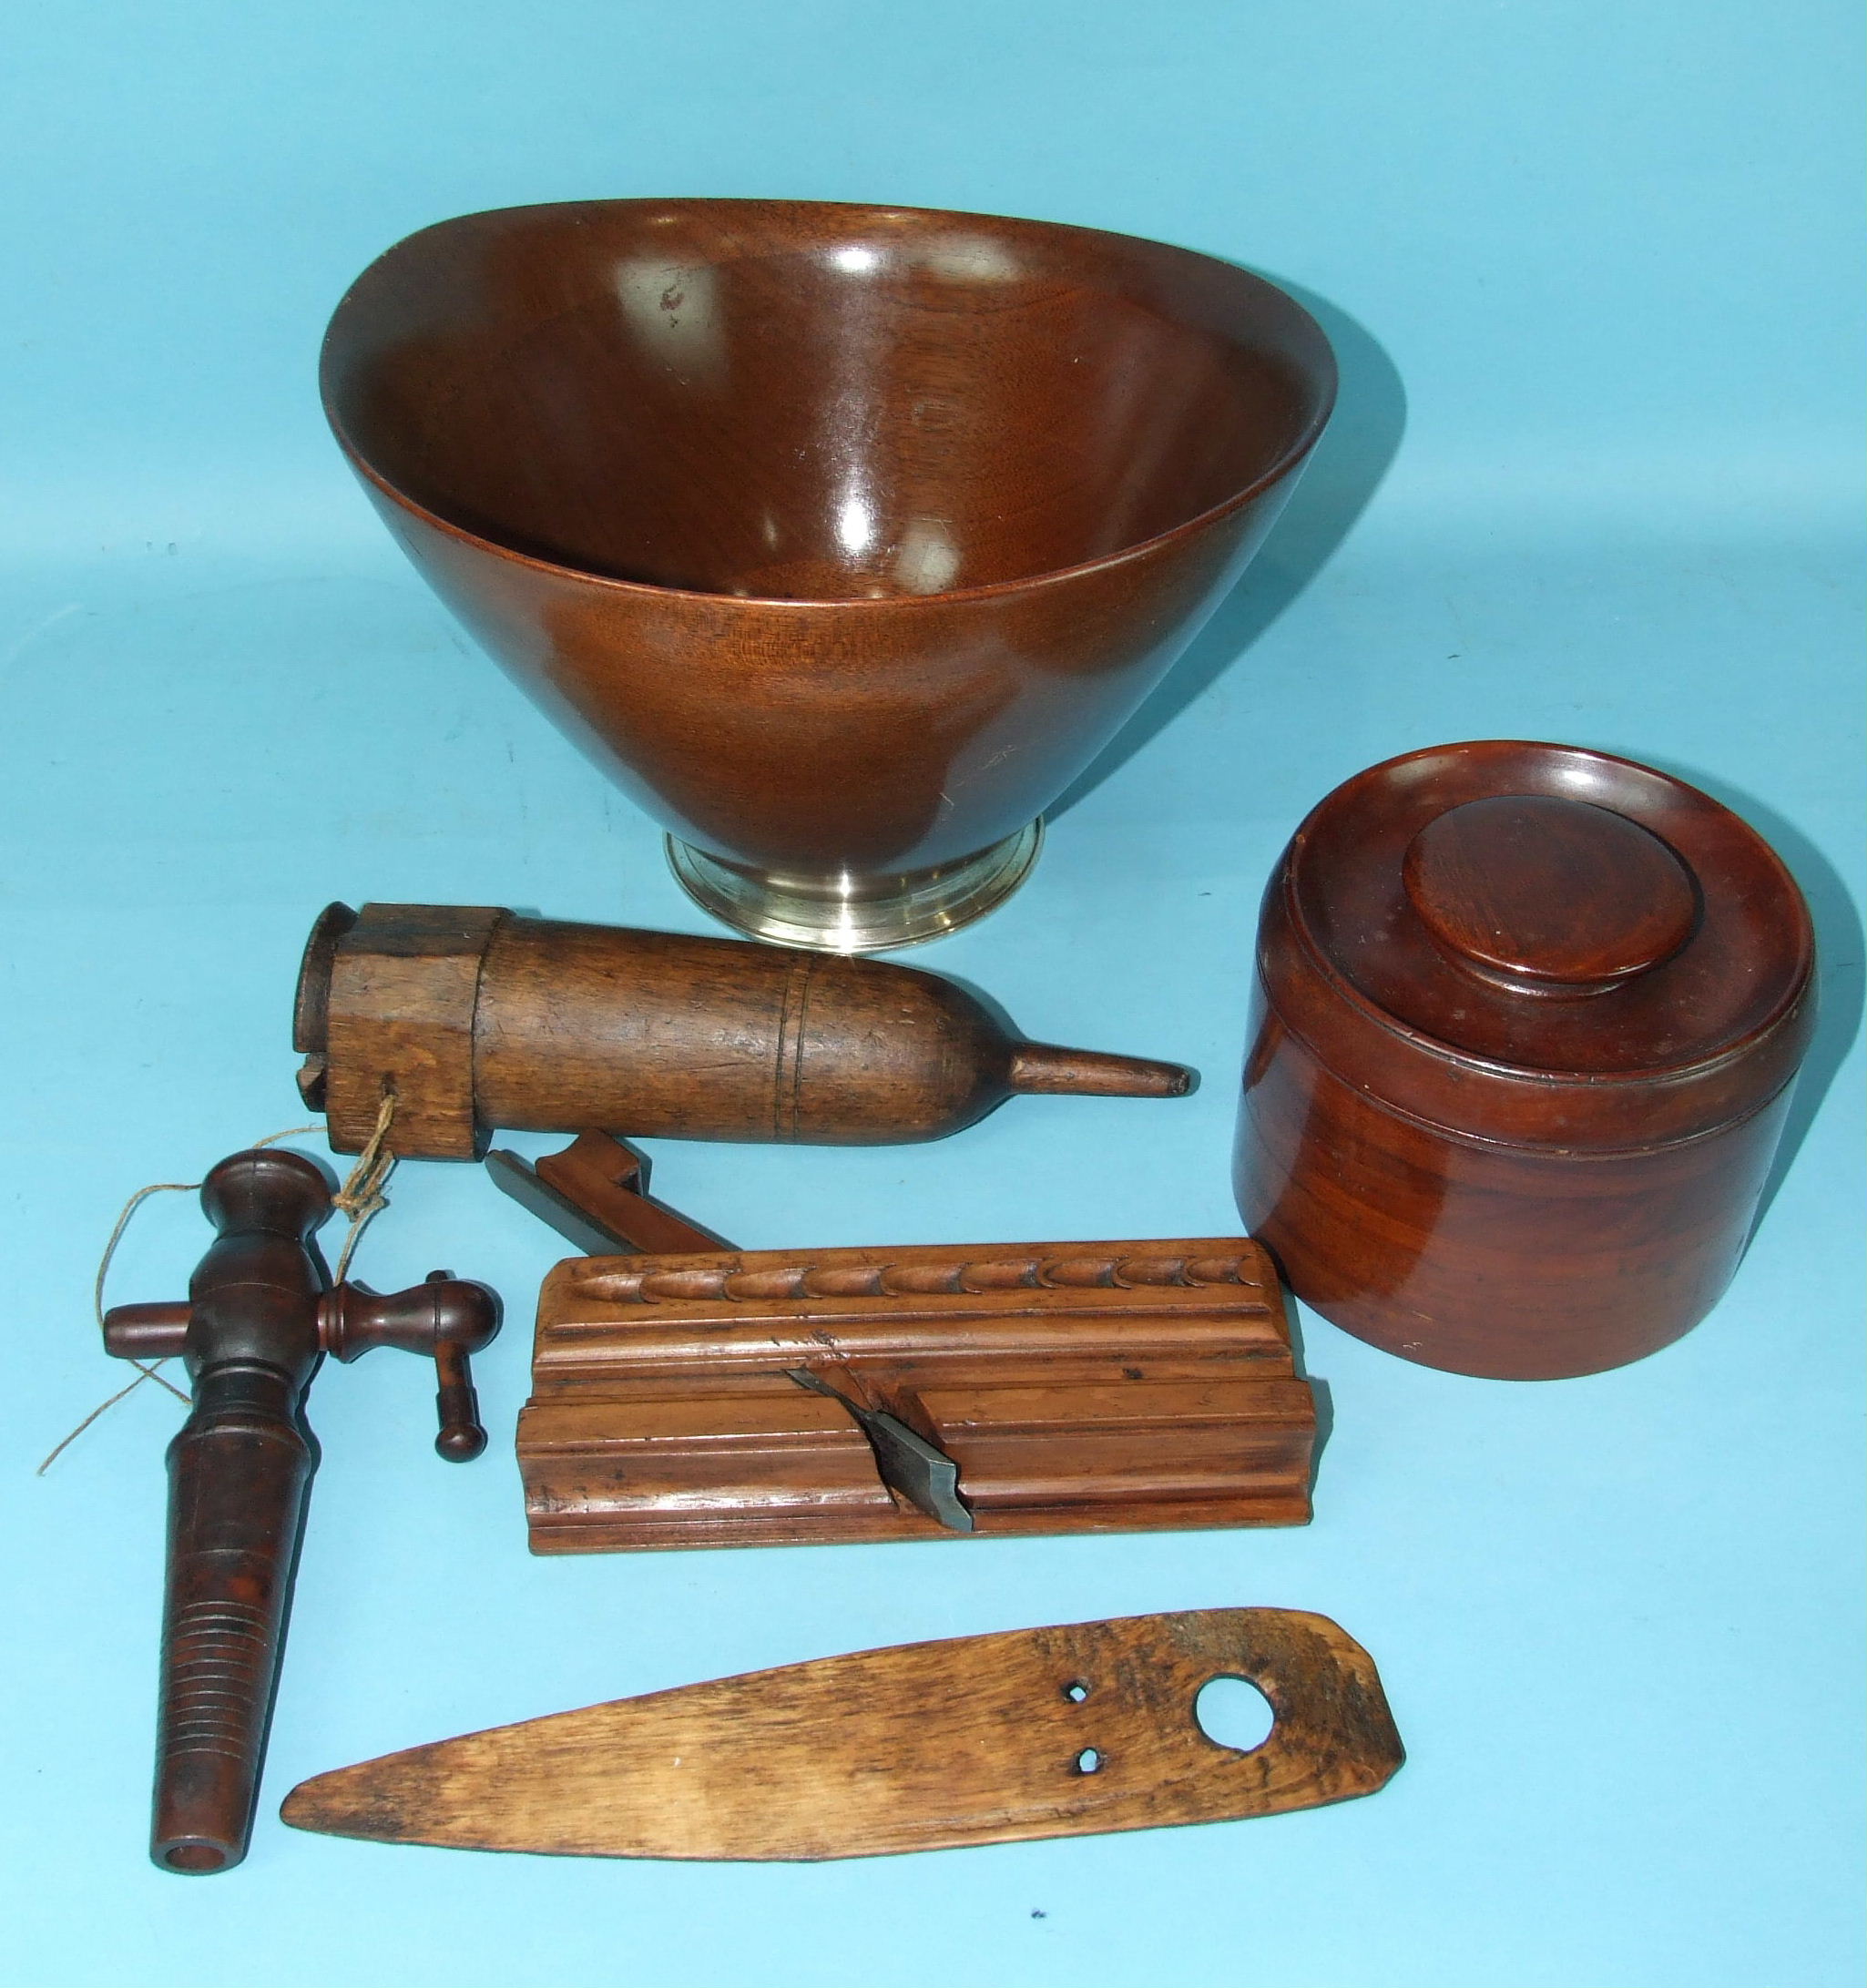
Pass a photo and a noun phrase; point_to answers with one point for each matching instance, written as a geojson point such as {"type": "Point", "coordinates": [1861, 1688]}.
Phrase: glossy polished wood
{"type": "Point", "coordinates": [1027, 1734]}
{"type": "Point", "coordinates": [476, 1017]}
{"type": "Point", "coordinates": [1495, 882]}
{"type": "Point", "coordinates": [843, 537]}
{"type": "Point", "coordinates": [596, 1194]}
{"type": "Point", "coordinates": [256, 1323]}
{"type": "Point", "coordinates": [1078, 1387]}
{"type": "Point", "coordinates": [1526, 1023]}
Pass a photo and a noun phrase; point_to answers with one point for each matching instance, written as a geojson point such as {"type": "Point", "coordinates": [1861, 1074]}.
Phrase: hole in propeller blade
{"type": "Point", "coordinates": [1088, 1761]}
{"type": "Point", "coordinates": [1233, 1712]}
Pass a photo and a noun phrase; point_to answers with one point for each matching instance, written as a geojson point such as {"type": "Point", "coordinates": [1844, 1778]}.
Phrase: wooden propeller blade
{"type": "Point", "coordinates": [1070, 1732]}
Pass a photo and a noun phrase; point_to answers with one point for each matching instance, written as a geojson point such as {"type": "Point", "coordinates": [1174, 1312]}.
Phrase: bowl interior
{"type": "Point", "coordinates": [799, 400]}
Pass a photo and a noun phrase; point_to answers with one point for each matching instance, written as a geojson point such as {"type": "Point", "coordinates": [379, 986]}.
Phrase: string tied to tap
{"type": "Point", "coordinates": [361, 1196]}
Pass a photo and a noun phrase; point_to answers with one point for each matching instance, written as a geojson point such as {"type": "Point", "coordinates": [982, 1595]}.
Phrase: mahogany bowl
{"type": "Point", "coordinates": [845, 537]}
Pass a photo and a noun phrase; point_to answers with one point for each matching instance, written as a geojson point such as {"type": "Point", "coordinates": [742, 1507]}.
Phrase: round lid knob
{"type": "Point", "coordinates": [1549, 896]}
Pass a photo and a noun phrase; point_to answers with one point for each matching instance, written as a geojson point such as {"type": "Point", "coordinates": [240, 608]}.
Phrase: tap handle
{"type": "Point", "coordinates": [462, 1436]}
{"type": "Point", "coordinates": [445, 1317]}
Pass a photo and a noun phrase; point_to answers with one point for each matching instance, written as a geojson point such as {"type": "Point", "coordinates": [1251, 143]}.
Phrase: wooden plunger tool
{"type": "Point", "coordinates": [481, 1019]}
{"type": "Point", "coordinates": [256, 1321]}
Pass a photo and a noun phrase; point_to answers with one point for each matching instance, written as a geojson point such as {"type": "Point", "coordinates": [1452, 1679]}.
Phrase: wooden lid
{"type": "Point", "coordinates": [1541, 944]}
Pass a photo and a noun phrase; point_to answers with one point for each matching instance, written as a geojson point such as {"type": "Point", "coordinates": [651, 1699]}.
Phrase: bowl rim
{"type": "Point", "coordinates": [1289, 459]}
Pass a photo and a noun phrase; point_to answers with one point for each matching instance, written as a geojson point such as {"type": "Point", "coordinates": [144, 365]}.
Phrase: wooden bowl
{"type": "Point", "coordinates": [843, 537]}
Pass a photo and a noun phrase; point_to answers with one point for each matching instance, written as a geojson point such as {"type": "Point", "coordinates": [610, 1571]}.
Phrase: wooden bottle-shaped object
{"type": "Point", "coordinates": [477, 1018]}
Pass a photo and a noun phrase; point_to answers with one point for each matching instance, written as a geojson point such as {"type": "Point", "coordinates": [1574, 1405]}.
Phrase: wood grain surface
{"type": "Point", "coordinates": [257, 1321]}
{"type": "Point", "coordinates": [479, 1018]}
{"type": "Point", "coordinates": [1079, 1387]}
{"type": "Point", "coordinates": [843, 537]}
{"type": "Point", "coordinates": [1526, 1022]}
{"type": "Point", "coordinates": [1073, 1731]}
{"type": "Point", "coordinates": [608, 1179]}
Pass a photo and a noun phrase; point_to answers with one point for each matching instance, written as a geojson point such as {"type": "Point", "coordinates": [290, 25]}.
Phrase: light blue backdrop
{"type": "Point", "coordinates": [1598, 262]}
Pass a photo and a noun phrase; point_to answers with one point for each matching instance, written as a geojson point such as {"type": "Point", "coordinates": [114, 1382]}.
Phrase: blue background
{"type": "Point", "coordinates": [1591, 271]}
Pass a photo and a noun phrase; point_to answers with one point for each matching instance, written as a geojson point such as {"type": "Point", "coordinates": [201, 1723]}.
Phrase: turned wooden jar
{"type": "Point", "coordinates": [1526, 1023]}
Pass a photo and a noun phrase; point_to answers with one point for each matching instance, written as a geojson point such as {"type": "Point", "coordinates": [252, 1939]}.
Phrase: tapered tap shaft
{"type": "Point", "coordinates": [257, 1321]}
{"type": "Point", "coordinates": [239, 1473]}
{"type": "Point", "coordinates": [238, 1469]}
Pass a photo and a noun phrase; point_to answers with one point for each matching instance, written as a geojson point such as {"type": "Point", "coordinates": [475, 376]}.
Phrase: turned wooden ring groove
{"type": "Point", "coordinates": [1526, 1022]}
{"type": "Point", "coordinates": [1548, 895]}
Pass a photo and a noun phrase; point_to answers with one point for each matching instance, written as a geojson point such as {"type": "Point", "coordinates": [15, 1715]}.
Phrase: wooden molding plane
{"type": "Point", "coordinates": [780, 1397]}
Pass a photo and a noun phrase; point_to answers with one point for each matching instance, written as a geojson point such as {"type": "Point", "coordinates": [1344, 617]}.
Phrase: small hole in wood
{"type": "Point", "coordinates": [196, 1859]}
{"type": "Point", "coordinates": [1088, 1761]}
{"type": "Point", "coordinates": [1233, 1712]}
{"type": "Point", "coordinates": [1076, 1691]}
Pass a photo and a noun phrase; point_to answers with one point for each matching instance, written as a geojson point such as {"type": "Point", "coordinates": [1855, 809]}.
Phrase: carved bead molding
{"type": "Point", "coordinates": [647, 1282]}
